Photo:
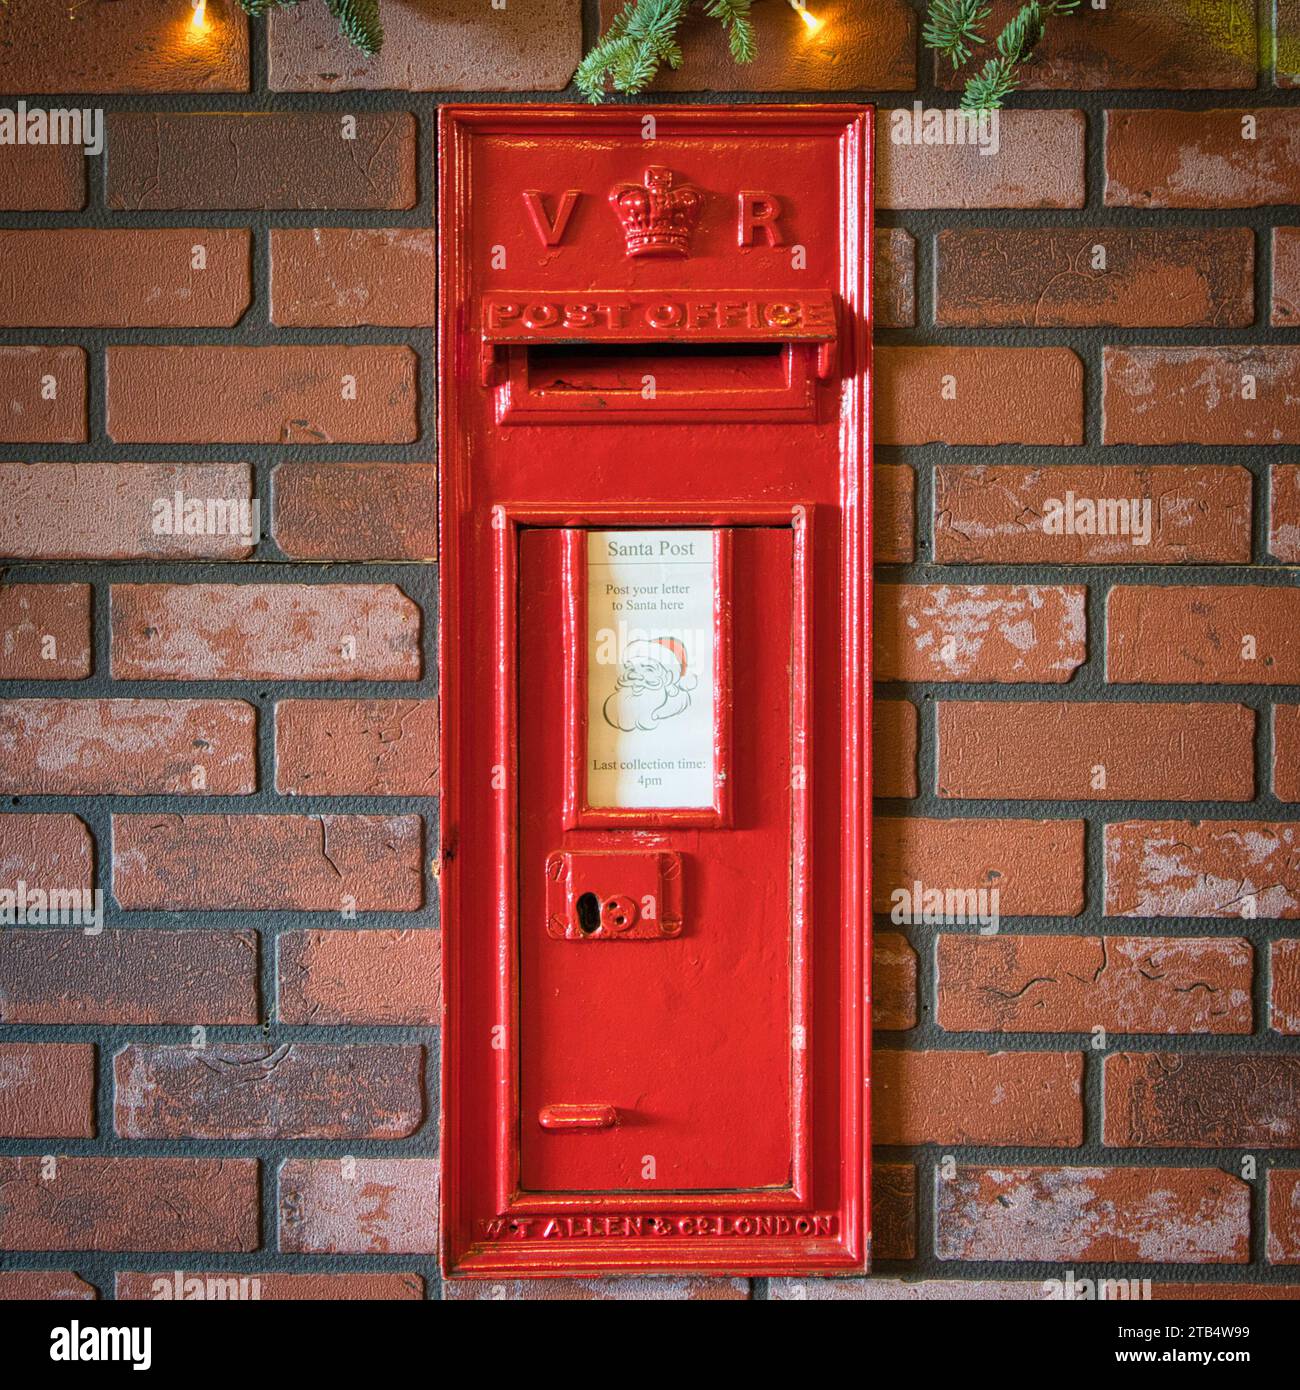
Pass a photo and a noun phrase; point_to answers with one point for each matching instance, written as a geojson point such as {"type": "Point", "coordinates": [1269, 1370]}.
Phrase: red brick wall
{"type": "Point", "coordinates": [236, 741]}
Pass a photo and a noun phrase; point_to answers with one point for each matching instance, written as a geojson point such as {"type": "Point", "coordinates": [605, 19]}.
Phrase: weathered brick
{"type": "Point", "coordinates": [1198, 1100]}
{"type": "Point", "coordinates": [1048, 277]}
{"type": "Point", "coordinates": [386, 1206]}
{"type": "Point", "coordinates": [43, 1285]}
{"type": "Point", "coordinates": [139, 976]}
{"type": "Point", "coordinates": [1036, 866]}
{"type": "Point", "coordinates": [266, 395]}
{"type": "Point", "coordinates": [453, 46]}
{"type": "Point", "coordinates": [109, 511]}
{"type": "Point", "coordinates": [639, 1288]}
{"type": "Point", "coordinates": [341, 277]}
{"type": "Point", "coordinates": [356, 747]}
{"type": "Point", "coordinates": [1286, 43]}
{"type": "Point", "coordinates": [893, 1211]}
{"type": "Point", "coordinates": [1039, 164]}
{"type": "Point", "coordinates": [294, 1091]}
{"type": "Point", "coordinates": [44, 632]}
{"type": "Point", "coordinates": [129, 1204]}
{"type": "Point", "coordinates": [1203, 634]}
{"type": "Point", "coordinates": [978, 632]}
{"type": "Point", "coordinates": [1203, 159]}
{"type": "Point", "coordinates": [1024, 1098]}
{"type": "Point", "coordinates": [356, 511]}
{"type": "Point", "coordinates": [42, 395]}
{"type": "Point", "coordinates": [127, 747]}
{"type": "Point", "coordinates": [1284, 1216]}
{"type": "Point", "coordinates": [1284, 987]}
{"type": "Point", "coordinates": [42, 178]}
{"type": "Point", "coordinates": [292, 863]}
{"type": "Point", "coordinates": [1218, 1292]}
{"type": "Point", "coordinates": [1201, 395]}
{"type": "Point", "coordinates": [44, 851]}
{"type": "Point", "coordinates": [1091, 514]}
{"type": "Point", "coordinates": [893, 982]}
{"type": "Point", "coordinates": [367, 977]}
{"type": "Point", "coordinates": [270, 159]}
{"type": "Point", "coordinates": [128, 46]}
{"type": "Point", "coordinates": [1285, 311]}
{"type": "Point", "coordinates": [1125, 1215]}
{"type": "Point", "coordinates": [1073, 984]}
{"type": "Point", "coordinates": [1286, 752]}
{"type": "Point", "coordinates": [894, 293]}
{"type": "Point", "coordinates": [1284, 512]}
{"type": "Point", "coordinates": [337, 632]}
{"type": "Point", "coordinates": [47, 1090]}
{"type": "Point", "coordinates": [1051, 750]}
{"type": "Point", "coordinates": [983, 395]}
{"type": "Point", "coordinates": [893, 748]}
{"type": "Point", "coordinates": [1247, 869]}
{"type": "Point", "coordinates": [271, 1286]}
{"type": "Point", "coordinates": [880, 1290]}
{"type": "Point", "coordinates": [893, 526]}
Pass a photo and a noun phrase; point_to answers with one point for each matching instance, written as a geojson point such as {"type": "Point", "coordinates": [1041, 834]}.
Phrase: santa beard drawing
{"type": "Point", "coordinates": [653, 685]}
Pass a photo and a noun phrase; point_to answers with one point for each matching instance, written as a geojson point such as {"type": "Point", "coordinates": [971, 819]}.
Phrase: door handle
{"type": "Point", "coordinates": [561, 1117]}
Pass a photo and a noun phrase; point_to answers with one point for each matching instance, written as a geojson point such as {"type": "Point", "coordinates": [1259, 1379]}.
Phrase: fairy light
{"type": "Point", "coordinates": [811, 22]}
{"type": "Point", "coordinates": [200, 18]}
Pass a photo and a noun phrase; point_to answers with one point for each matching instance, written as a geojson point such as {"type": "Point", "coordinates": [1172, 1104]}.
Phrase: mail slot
{"type": "Point", "coordinates": [654, 452]}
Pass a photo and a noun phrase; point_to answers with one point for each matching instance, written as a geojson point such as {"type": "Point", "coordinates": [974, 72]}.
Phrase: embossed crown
{"type": "Point", "coordinates": [657, 218]}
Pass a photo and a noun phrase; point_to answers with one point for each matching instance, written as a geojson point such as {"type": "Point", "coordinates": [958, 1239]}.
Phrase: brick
{"type": "Point", "coordinates": [979, 632]}
{"type": "Point", "coordinates": [639, 1288]}
{"type": "Point", "coordinates": [1037, 866]}
{"type": "Point", "coordinates": [356, 511]}
{"type": "Point", "coordinates": [1286, 43]}
{"type": "Point", "coordinates": [453, 46]}
{"type": "Point", "coordinates": [42, 178]}
{"type": "Point", "coordinates": [267, 160]}
{"type": "Point", "coordinates": [894, 293]}
{"type": "Point", "coordinates": [47, 1090]}
{"type": "Point", "coordinates": [269, 395]}
{"type": "Point", "coordinates": [343, 277]}
{"type": "Point", "coordinates": [1286, 277]}
{"type": "Point", "coordinates": [893, 983]}
{"type": "Point", "coordinates": [893, 527]}
{"type": "Point", "coordinates": [138, 277]}
{"type": "Point", "coordinates": [1201, 395]}
{"type": "Point", "coordinates": [109, 511]}
{"type": "Point", "coordinates": [44, 851]}
{"type": "Point", "coordinates": [1284, 987]}
{"type": "Point", "coordinates": [1122, 1215]}
{"type": "Point", "coordinates": [1167, 514]}
{"type": "Point", "coordinates": [1198, 1100]}
{"type": "Point", "coordinates": [28, 413]}
{"type": "Point", "coordinates": [1022, 1098]}
{"type": "Point", "coordinates": [44, 1285]}
{"type": "Point", "coordinates": [139, 976]}
{"type": "Point", "coordinates": [859, 47]}
{"type": "Point", "coordinates": [1286, 752]}
{"type": "Point", "coordinates": [1203, 634]}
{"type": "Point", "coordinates": [893, 748]}
{"type": "Point", "coordinates": [67, 747]}
{"type": "Point", "coordinates": [1039, 164]}
{"type": "Point", "coordinates": [362, 977]}
{"type": "Point", "coordinates": [1246, 869]}
{"type": "Point", "coordinates": [44, 632]}
{"type": "Point", "coordinates": [1284, 1216]}
{"type": "Point", "coordinates": [294, 1091]}
{"type": "Point", "coordinates": [893, 1211]}
{"type": "Point", "coordinates": [1141, 44]}
{"type": "Point", "coordinates": [271, 1286]}
{"type": "Point", "coordinates": [1047, 277]}
{"type": "Point", "coordinates": [1073, 984]}
{"type": "Point", "coordinates": [1202, 159]}
{"type": "Point", "coordinates": [1219, 1292]}
{"type": "Point", "coordinates": [356, 747]}
{"type": "Point", "coordinates": [983, 395]}
{"type": "Point", "coordinates": [291, 863]}
{"type": "Point", "coordinates": [128, 46]}
{"type": "Point", "coordinates": [1284, 512]}
{"type": "Point", "coordinates": [878, 1290]}
{"type": "Point", "coordinates": [382, 1206]}
{"type": "Point", "coordinates": [130, 1204]}
{"type": "Point", "coordinates": [1049, 750]}
{"type": "Point", "coordinates": [299, 632]}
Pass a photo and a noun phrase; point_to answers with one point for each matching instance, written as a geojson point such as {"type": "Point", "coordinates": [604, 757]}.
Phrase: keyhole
{"type": "Point", "coordinates": [588, 906]}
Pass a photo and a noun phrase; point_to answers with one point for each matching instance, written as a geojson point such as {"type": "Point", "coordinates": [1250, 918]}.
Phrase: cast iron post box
{"type": "Point", "coordinates": [654, 452]}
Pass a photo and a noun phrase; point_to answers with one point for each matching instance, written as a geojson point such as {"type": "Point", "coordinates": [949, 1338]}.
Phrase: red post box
{"type": "Point", "coordinates": [654, 453]}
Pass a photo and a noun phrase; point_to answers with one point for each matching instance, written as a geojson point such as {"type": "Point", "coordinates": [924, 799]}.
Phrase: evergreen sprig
{"type": "Point", "coordinates": [642, 37]}
{"type": "Point", "coordinates": [953, 29]}
{"type": "Point", "coordinates": [358, 20]}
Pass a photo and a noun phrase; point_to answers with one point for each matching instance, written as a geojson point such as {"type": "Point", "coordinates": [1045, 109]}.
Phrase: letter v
{"type": "Point", "coordinates": [550, 233]}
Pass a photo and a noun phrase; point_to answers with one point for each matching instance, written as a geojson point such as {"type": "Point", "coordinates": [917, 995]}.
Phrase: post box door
{"type": "Point", "coordinates": [657, 959]}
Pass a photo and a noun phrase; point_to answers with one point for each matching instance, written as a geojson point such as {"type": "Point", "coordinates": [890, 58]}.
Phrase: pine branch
{"type": "Point", "coordinates": [987, 89]}
{"type": "Point", "coordinates": [734, 16]}
{"type": "Point", "coordinates": [953, 27]}
{"type": "Point", "coordinates": [358, 20]}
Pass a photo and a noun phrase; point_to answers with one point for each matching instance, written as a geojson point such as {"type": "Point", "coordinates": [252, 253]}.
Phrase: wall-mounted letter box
{"type": "Point", "coordinates": [654, 451]}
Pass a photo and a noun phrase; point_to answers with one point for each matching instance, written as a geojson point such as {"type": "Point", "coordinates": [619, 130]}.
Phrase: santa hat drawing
{"type": "Point", "coordinates": [667, 652]}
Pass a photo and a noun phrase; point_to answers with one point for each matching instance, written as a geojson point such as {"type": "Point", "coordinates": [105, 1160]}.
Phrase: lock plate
{"type": "Point", "coordinates": [598, 896]}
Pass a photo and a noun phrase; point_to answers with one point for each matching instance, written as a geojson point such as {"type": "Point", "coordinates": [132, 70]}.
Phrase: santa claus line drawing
{"type": "Point", "coordinates": [654, 684]}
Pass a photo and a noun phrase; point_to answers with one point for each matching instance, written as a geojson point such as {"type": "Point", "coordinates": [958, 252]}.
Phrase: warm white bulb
{"type": "Point", "coordinates": [810, 20]}
{"type": "Point", "coordinates": [200, 13]}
